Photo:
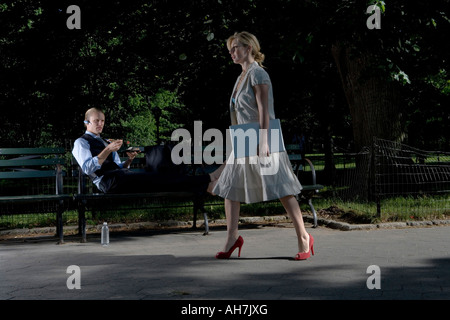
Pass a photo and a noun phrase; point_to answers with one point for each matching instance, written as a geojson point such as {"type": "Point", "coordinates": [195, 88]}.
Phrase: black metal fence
{"type": "Point", "coordinates": [386, 178]}
{"type": "Point", "coordinates": [397, 178]}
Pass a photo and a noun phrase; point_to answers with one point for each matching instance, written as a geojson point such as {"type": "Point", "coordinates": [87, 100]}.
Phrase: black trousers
{"type": "Point", "coordinates": [127, 181]}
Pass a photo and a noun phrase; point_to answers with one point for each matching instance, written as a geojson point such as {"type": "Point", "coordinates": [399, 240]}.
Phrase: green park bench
{"type": "Point", "coordinates": [31, 181]}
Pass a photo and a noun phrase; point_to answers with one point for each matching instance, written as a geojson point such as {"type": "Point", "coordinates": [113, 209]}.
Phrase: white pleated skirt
{"type": "Point", "coordinates": [257, 179]}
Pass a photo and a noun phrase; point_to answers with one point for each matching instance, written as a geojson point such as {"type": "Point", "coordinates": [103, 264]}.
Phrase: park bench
{"type": "Point", "coordinates": [309, 190]}
{"type": "Point", "coordinates": [31, 181]}
{"type": "Point", "coordinates": [90, 198]}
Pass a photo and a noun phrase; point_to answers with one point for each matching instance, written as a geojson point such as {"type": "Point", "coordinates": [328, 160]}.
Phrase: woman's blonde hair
{"type": "Point", "coordinates": [248, 39]}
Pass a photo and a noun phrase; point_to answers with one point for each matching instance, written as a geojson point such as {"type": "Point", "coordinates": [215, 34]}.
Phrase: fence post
{"type": "Point", "coordinates": [374, 164]}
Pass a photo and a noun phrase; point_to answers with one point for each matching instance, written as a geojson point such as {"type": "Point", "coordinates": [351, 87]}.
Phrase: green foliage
{"type": "Point", "coordinates": [440, 81]}
{"type": "Point", "coordinates": [140, 129]}
{"type": "Point", "coordinates": [137, 49]}
{"type": "Point", "coordinates": [168, 111]}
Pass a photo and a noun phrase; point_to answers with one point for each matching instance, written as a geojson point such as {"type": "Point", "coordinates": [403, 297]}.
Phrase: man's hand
{"type": "Point", "coordinates": [131, 155]}
{"type": "Point", "coordinates": [115, 145]}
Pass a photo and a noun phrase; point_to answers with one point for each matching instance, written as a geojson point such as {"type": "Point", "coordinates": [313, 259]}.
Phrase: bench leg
{"type": "Point", "coordinates": [194, 218]}
{"type": "Point", "coordinates": [59, 226]}
{"type": "Point", "coordinates": [313, 211]}
{"type": "Point", "coordinates": [82, 223]}
{"type": "Point", "coordinates": [198, 205]}
{"type": "Point", "coordinates": [205, 217]}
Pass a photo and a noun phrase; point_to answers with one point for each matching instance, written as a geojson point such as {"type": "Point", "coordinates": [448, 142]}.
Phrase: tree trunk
{"type": "Point", "coordinates": [373, 101]}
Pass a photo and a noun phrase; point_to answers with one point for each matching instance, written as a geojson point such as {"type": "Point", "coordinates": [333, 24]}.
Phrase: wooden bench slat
{"type": "Point", "coordinates": [34, 198]}
{"type": "Point", "coordinates": [27, 174]}
{"type": "Point", "coordinates": [312, 187]}
{"type": "Point", "coordinates": [28, 151]}
{"type": "Point", "coordinates": [174, 194]}
{"type": "Point", "coordinates": [30, 162]}
{"type": "Point", "coordinates": [295, 157]}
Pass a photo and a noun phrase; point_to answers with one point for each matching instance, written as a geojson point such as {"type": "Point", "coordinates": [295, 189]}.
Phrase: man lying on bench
{"type": "Point", "coordinates": [98, 158]}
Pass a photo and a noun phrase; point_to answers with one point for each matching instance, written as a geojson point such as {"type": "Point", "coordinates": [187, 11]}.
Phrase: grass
{"type": "Point", "coordinates": [393, 209]}
{"type": "Point", "coordinates": [416, 208]}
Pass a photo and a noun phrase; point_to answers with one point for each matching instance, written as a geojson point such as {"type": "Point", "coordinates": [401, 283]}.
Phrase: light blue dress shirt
{"type": "Point", "coordinates": [89, 164]}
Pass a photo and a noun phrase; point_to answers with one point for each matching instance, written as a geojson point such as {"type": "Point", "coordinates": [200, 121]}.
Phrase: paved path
{"type": "Point", "coordinates": [414, 263]}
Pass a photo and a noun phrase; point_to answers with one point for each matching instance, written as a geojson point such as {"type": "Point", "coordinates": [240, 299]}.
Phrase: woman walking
{"type": "Point", "coordinates": [242, 181]}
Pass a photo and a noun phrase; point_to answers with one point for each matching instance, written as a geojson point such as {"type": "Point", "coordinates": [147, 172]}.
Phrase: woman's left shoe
{"type": "Point", "coordinates": [225, 255]}
{"type": "Point", "coordinates": [306, 255]}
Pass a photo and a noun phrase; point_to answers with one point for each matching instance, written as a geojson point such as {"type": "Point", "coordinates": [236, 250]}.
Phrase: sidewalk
{"type": "Point", "coordinates": [414, 264]}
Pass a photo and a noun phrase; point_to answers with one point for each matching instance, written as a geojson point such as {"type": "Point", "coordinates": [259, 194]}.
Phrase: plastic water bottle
{"type": "Point", "coordinates": [105, 234]}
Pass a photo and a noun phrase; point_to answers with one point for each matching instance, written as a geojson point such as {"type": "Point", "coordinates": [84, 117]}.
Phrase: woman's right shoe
{"type": "Point", "coordinates": [225, 255]}
{"type": "Point", "coordinates": [306, 255]}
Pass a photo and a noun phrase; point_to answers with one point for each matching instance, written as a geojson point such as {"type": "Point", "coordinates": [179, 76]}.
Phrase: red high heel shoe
{"type": "Point", "coordinates": [306, 255]}
{"type": "Point", "coordinates": [225, 255]}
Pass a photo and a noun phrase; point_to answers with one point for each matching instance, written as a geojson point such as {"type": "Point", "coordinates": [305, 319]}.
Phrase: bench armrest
{"type": "Point", "coordinates": [81, 182]}
{"type": "Point", "coordinates": [59, 179]}
{"type": "Point", "coordinates": [313, 172]}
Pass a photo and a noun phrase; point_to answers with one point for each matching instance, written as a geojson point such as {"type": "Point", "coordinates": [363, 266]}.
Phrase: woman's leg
{"type": "Point", "coordinates": [216, 173]}
{"type": "Point", "coordinates": [293, 209]}
{"type": "Point", "coordinates": [214, 176]}
{"type": "Point", "coordinates": [232, 210]}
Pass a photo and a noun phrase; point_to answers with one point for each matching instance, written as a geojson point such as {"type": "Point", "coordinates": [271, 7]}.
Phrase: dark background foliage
{"type": "Point", "coordinates": [164, 64]}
